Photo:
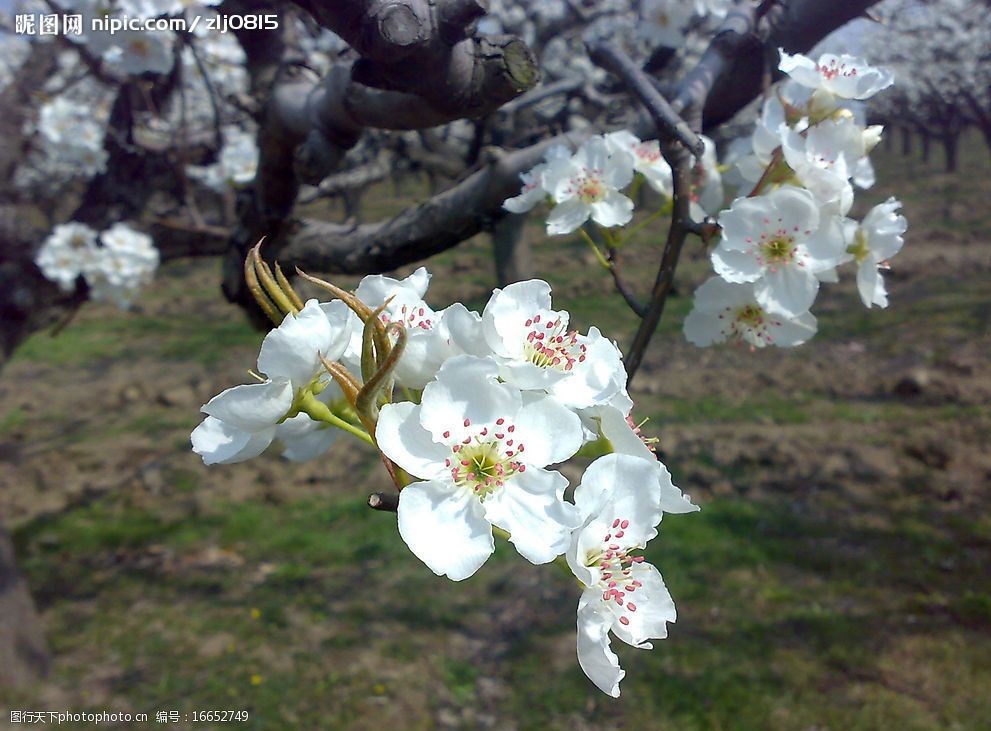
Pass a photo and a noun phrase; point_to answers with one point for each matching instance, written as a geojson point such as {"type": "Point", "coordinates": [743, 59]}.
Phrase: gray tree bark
{"type": "Point", "coordinates": [511, 251]}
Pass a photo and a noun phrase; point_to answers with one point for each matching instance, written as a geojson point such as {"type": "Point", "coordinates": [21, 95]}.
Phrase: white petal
{"type": "Point", "coordinates": [614, 210]}
{"type": "Point", "coordinates": [788, 291]}
{"type": "Point", "coordinates": [624, 487]}
{"type": "Point", "coordinates": [403, 440]}
{"type": "Point", "coordinates": [466, 389]}
{"type": "Point", "coordinates": [463, 329]}
{"type": "Point", "coordinates": [252, 407]}
{"type": "Point", "coordinates": [530, 507]}
{"type": "Point", "coordinates": [704, 328]}
{"type": "Point", "coordinates": [735, 266]}
{"type": "Point", "coordinates": [654, 609]}
{"type": "Point", "coordinates": [620, 434]}
{"type": "Point", "coordinates": [290, 351]}
{"type": "Point", "coordinates": [870, 284]}
{"type": "Point", "coordinates": [789, 332]}
{"type": "Point", "coordinates": [673, 500]}
{"type": "Point", "coordinates": [218, 442]}
{"type": "Point", "coordinates": [549, 432]}
{"type": "Point", "coordinates": [304, 439]}
{"type": "Point", "coordinates": [595, 657]}
{"type": "Point", "coordinates": [445, 527]}
{"type": "Point", "coordinates": [567, 216]}
{"type": "Point", "coordinates": [508, 309]}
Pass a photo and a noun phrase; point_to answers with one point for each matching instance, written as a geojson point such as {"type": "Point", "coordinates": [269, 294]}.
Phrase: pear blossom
{"type": "Point", "coordinates": [535, 350]}
{"type": "Point", "coordinates": [663, 22]}
{"type": "Point", "coordinates": [587, 185]}
{"type": "Point", "coordinates": [707, 183]}
{"type": "Point", "coordinates": [844, 76]}
{"type": "Point", "coordinates": [242, 421]}
{"type": "Point", "coordinates": [728, 311]}
{"type": "Point", "coordinates": [67, 252]}
{"type": "Point", "coordinates": [871, 244]}
{"type": "Point", "coordinates": [534, 191]}
{"type": "Point", "coordinates": [622, 499]}
{"type": "Point", "coordinates": [825, 157]}
{"type": "Point", "coordinates": [480, 448]}
{"type": "Point", "coordinates": [237, 162]}
{"type": "Point", "coordinates": [775, 241]}
{"type": "Point", "coordinates": [613, 421]}
{"type": "Point", "coordinates": [647, 159]}
{"type": "Point", "coordinates": [73, 139]}
{"type": "Point", "coordinates": [426, 344]}
{"type": "Point", "coordinates": [124, 263]}
{"type": "Point", "coordinates": [136, 52]}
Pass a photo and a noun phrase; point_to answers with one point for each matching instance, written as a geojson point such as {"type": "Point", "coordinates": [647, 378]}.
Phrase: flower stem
{"type": "Point", "coordinates": [598, 252]}
{"type": "Point", "coordinates": [636, 229]}
{"type": "Point", "coordinates": [319, 411]}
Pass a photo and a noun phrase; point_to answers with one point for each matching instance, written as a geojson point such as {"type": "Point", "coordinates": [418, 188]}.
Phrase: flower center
{"type": "Point", "coordinates": [647, 153]}
{"type": "Point", "coordinates": [859, 246]}
{"type": "Point", "coordinates": [748, 320]}
{"type": "Point", "coordinates": [410, 316]}
{"type": "Point", "coordinates": [779, 248]}
{"type": "Point", "coordinates": [550, 345]}
{"type": "Point", "coordinates": [833, 69]}
{"type": "Point", "coordinates": [589, 188]}
{"type": "Point", "coordinates": [615, 566]}
{"type": "Point", "coordinates": [483, 462]}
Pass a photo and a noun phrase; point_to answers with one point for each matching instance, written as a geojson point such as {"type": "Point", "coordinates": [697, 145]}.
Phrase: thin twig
{"type": "Point", "coordinates": [681, 168]}
{"type": "Point", "coordinates": [387, 501]}
{"type": "Point", "coordinates": [669, 124]}
{"type": "Point", "coordinates": [621, 286]}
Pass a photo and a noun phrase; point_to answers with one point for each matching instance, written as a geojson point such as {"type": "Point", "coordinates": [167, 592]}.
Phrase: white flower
{"type": "Point", "coordinates": [824, 159]}
{"type": "Point", "coordinates": [480, 447]}
{"type": "Point", "coordinates": [871, 244]}
{"type": "Point", "coordinates": [614, 422]}
{"type": "Point", "coordinates": [124, 263]}
{"type": "Point", "coordinates": [727, 311]}
{"type": "Point", "coordinates": [242, 421]}
{"type": "Point", "coordinates": [775, 240]}
{"type": "Point", "coordinates": [663, 22]}
{"type": "Point", "coordinates": [426, 343]}
{"type": "Point", "coordinates": [66, 253]}
{"type": "Point", "coordinates": [833, 78]}
{"type": "Point", "coordinates": [622, 499]}
{"type": "Point", "coordinates": [72, 138]}
{"type": "Point", "coordinates": [647, 159]}
{"type": "Point", "coordinates": [847, 77]}
{"type": "Point", "coordinates": [714, 8]}
{"type": "Point", "coordinates": [237, 162]}
{"type": "Point", "coordinates": [533, 182]}
{"type": "Point", "coordinates": [707, 183]}
{"type": "Point", "coordinates": [536, 351]}
{"type": "Point", "coordinates": [587, 185]}
{"type": "Point", "coordinates": [136, 52]}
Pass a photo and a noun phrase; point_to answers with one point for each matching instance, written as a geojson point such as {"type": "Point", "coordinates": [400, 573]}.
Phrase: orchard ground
{"type": "Point", "coordinates": [836, 577]}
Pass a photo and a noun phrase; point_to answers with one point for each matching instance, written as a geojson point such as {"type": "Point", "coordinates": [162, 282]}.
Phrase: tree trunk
{"type": "Point", "coordinates": [950, 147]}
{"type": "Point", "coordinates": [926, 147]}
{"type": "Point", "coordinates": [513, 260]}
{"type": "Point", "coordinates": [23, 656]}
{"type": "Point", "coordinates": [906, 141]}
{"type": "Point", "coordinates": [889, 141]}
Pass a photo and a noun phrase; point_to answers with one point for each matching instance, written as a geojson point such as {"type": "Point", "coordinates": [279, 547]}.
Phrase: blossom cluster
{"type": "Point", "coordinates": [236, 163]}
{"type": "Point", "coordinates": [72, 137]}
{"type": "Point", "coordinates": [791, 232]}
{"type": "Point", "coordinates": [493, 401]}
{"type": "Point", "coordinates": [587, 183]}
{"type": "Point", "coordinates": [115, 263]}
